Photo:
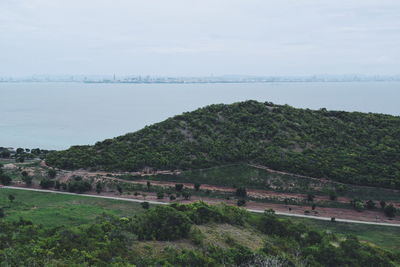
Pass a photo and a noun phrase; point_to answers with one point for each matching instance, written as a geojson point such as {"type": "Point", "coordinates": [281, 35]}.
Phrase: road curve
{"type": "Point", "coordinates": [166, 203]}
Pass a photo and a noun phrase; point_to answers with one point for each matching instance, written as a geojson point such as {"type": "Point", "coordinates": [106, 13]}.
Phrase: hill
{"type": "Point", "coordinates": [351, 147]}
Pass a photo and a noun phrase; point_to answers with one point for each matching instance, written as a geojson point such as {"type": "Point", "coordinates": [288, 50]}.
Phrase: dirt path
{"type": "Point", "coordinates": [252, 207]}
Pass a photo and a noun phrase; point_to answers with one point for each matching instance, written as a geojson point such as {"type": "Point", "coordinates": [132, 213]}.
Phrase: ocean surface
{"type": "Point", "coordinates": [58, 115]}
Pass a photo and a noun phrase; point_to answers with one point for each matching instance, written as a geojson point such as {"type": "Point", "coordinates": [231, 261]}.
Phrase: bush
{"type": "Point", "coordinates": [241, 202]}
{"type": "Point", "coordinates": [332, 195]}
{"type": "Point", "coordinates": [5, 179]}
{"type": "Point", "coordinates": [241, 192]}
{"type": "Point", "coordinates": [370, 204]}
{"type": "Point", "coordinates": [390, 211]}
{"type": "Point", "coordinates": [197, 186]}
{"type": "Point", "coordinates": [178, 187]}
{"type": "Point", "coordinates": [46, 183]}
{"type": "Point", "coordinates": [78, 185]}
{"type": "Point", "coordinates": [52, 173]}
{"type": "Point", "coordinates": [160, 195]}
{"type": "Point", "coordinates": [164, 223]}
{"type": "Point", "coordinates": [145, 205]}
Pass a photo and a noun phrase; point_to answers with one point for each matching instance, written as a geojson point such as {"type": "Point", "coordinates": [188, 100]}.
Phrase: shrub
{"type": "Point", "coordinates": [197, 186]}
{"type": "Point", "coordinates": [164, 223]}
{"type": "Point", "coordinates": [370, 204]}
{"type": "Point", "coordinates": [241, 192]}
{"type": "Point", "coordinates": [77, 185]}
{"type": "Point", "coordinates": [241, 202]}
{"type": "Point", "coordinates": [178, 187]}
{"type": "Point", "coordinates": [145, 205]}
{"type": "Point", "coordinates": [51, 173]}
{"type": "Point", "coordinates": [5, 179]}
{"type": "Point", "coordinates": [46, 183]}
{"type": "Point", "coordinates": [160, 195]}
{"type": "Point", "coordinates": [332, 195]}
{"type": "Point", "coordinates": [390, 211]}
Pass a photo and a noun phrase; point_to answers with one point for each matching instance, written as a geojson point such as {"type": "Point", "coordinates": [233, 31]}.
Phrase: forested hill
{"type": "Point", "coordinates": [351, 147]}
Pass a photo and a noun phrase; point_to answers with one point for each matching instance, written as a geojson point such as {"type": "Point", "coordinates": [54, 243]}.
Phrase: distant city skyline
{"type": "Point", "coordinates": [199, 38]}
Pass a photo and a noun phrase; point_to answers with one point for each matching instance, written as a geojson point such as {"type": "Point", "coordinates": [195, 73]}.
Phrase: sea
{"type": "Point", "coordinates": [58, 115]}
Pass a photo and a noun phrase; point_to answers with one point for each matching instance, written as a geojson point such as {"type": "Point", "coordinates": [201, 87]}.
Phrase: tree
{"type": "Point", "coordinates": [20, 150]}
{"type": "Point", "coordinates": [382, 203]}
{"type": "Point", "coordinates": [310, 197]}
{"type": "Point", "coordinates": [46, 183]}
{"type": "Point", "coordinates": [5, 179]}
{"type": "Point", "coordinates": [197, 186]}
{"type": "Point", "coordinates": [186, 195]}
{"type": "Point", "coordinates": [359, 205]}
{"type": "Point", "coordinates": [119, 188]}
{"type": "Point", "coordinates": [370, 204]}
{"type": "Point", "coordinates": [313, 206]}
{"type": "Point", "coordinates": [148, 185]}
{"type": "Point", "coordinates": [27, 179]}
{"type": "Point", "coordinates": [241, 202]}
{"type": "Point", "coordinates": [51, 173]}
{"type": "Point", "coordinates": [178, 187]}
{"type": "Point", "coordinates": [332, 195]}
{"type": "Point", "coordinates": [160, 195]}
{"type": "Point", "coordinates": [99, 187]}
{"type": "Point", "coordinates": [24, 173]}
{"type": "Point", "coordinates": [390, 211]}
{"type": "Point", "coordinates": [2, 214]}
{"type": "Point", "coordinates": [172, 197]}
{"type": "Point", "coordinates": [145, 205]}
{"type": "Point", "coordinates": [57, 185]}
{"type": "Point", "coordinates": [241, 192]}
{"type": "Point", "coordinates": [5, 154]}
{"type": "Point", "coordinates": [11, 198]}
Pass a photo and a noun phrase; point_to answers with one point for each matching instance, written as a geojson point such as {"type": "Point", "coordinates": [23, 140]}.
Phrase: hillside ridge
{"type": "Point", "coordinates": [350, 147]}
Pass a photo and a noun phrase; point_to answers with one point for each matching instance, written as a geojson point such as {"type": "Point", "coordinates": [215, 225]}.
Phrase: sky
{"type": "Point", "coordinates": [199, 38]}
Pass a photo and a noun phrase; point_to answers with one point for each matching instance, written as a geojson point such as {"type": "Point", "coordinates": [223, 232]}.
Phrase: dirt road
{"type": "Point", "coordinates": [165, 203]}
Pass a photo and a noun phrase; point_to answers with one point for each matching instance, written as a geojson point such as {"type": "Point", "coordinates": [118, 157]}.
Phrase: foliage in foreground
{"type": "Point", "coordinates": [114, 241]}
{"type": "Point", "coordinates": [350, 147]}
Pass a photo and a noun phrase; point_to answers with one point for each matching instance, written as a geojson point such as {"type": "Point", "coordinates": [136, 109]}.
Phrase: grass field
{"type": "Point", "coordinates": [52, 209]}
{"type": "Point", "coordinates": [384, 236]}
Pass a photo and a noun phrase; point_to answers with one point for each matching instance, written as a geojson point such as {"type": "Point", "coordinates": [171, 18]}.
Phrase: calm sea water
{"type": "Point", "coordinates": [58, 115]}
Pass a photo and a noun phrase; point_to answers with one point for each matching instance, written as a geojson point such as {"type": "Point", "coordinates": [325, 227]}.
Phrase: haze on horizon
{"type": "Point", "coordinates": [187, 37]}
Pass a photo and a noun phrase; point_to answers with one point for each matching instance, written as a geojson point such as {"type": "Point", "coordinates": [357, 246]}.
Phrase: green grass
{"type": "Point", "coordinates": [385, 236]}
{"type": "Point", "coordinates": [51, 209]}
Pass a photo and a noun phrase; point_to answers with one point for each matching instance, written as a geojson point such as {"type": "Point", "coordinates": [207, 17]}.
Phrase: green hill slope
{"type": "Point", "coordinates": [350, 147]}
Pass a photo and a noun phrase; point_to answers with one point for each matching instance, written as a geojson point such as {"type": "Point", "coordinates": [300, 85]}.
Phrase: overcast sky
{"type": "Point", "coordinates": [199, 37]}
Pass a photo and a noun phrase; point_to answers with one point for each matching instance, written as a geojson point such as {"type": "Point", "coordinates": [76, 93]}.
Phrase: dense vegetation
{"type": "Point", "coordinates": [116, 241]}
{"type": "Point", "coordinates": [350, 147]}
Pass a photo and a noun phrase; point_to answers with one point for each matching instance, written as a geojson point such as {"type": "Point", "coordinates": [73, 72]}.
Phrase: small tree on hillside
{"type": "Point", "coordinates": [241, 192]}
{"type": "Point", "coordinates": [52, 173]}
{"type": "Point", "coordinates": [145, 205]}
{"type": "Point", "coordinates": [370, 204]}
{"type": "Point", "coordinates": [390, 211]}
{"type": "Point", "coordinates": [310, 197]}
{"type": "Point", "coordinates": [197, 187]}
{"type": "Point", "coordinates": [99, 187]}
{"type": "Point", "coordinates": [178, 187]}
{"type": "Point", "coordinates": [11, 198]}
